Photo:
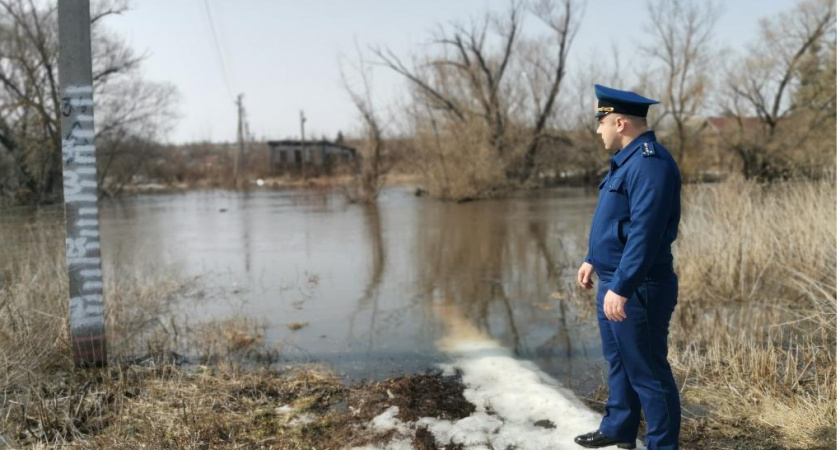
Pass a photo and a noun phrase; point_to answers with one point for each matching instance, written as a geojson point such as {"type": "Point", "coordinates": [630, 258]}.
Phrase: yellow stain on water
{"type": "Point", "coordinates": [461, 333]}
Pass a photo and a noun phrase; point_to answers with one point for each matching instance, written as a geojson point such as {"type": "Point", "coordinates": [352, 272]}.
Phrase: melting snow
{"type": "Point", "coordinates": [388, 421]}
{"type": "Point", "coordinates": [510, 395]}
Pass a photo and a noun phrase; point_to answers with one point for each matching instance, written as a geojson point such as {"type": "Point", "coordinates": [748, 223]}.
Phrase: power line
{"type": "Point", "coordinates": [218, 48]}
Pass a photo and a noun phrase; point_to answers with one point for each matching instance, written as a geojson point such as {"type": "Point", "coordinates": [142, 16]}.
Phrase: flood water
{"type": "Point", "coordinates": [373, 284]}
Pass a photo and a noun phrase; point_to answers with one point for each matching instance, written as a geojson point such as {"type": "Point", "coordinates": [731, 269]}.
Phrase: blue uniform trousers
{"type": "Point", "coordinates": [639, 374]}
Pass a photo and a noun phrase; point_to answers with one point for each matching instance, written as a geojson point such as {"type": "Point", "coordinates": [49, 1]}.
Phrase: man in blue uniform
{"type": "Point", "coordinates": [630, 240]}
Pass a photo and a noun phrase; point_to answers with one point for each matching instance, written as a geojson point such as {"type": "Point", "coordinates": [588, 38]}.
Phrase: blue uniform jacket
{"type": "Point", "coordinates": [637, 216]}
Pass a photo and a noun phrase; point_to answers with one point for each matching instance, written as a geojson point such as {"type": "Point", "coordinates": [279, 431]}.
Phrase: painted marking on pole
{"type": "Point", "coordinates": [86, 310]}
{"type": "Point", "coordinates": [91, 285]}
{"type": "Point", "coordinates": [79, 148]}
{"type": "Point", "coordinates": [83, 261]}
{"type": "Point", "coordinates": [85, 134]}
{"type": "Point", "coordinates": [71, 183]}
{"type": "Point", "coordinates": [78, 90]}
{"type": "Point", "coordinates": [79, 198]}
{"type": "Point", "coordinates": [80, 102]}
{"type": "Point", "coordinates": [78, 159]}
{"type": "Point", "coordinates": [90, 300]}
{"type": "Point", "coordinates": [78, 153]}
{"type": "Point", "coordinates": [75, 247]}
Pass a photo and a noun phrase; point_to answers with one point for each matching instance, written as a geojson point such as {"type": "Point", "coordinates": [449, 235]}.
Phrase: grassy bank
{"type": "Point", "coordinates": [753, 347]}
{"type": "Point", "coordinates": [754, 335]}
{"type": "Point", "coordinates": [150, 396]}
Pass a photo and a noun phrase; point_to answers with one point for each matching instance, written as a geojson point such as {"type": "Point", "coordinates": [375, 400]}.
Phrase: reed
{"type": "Point", "coordinates": [754, 334]}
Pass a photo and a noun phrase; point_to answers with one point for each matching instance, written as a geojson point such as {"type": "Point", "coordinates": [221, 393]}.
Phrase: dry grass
{"type": "Point", "coordinates": [164, 406]}
{"type": "Point", "coordinates": [223, 406]}
{"type": "Point", "coordinates": [754, 336]}
{"type": "Point", "coordinates": [44, 398]}
{"type": "Point", "coordinates": [753, 344]}
{"type": "Point", "coordinates": [33, 335]}
{"type": "Point", "coordinates": [151, 397]}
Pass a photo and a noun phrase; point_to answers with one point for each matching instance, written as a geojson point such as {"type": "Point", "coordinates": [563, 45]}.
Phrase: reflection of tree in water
{"type": "Point", "coordinates": [245, 217]}
{"type": "Point", "coordinates": [475, 259]}
{"type": "Point", "coordinates": [373, 225]}
{"type": "Point", "coordinates": [370, 297]}
{"type": "Point", "coordinates": [464, 257]}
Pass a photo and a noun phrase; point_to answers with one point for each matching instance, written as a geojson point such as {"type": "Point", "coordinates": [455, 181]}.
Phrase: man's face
{"type": "Point", "coordinates": [608, 127]}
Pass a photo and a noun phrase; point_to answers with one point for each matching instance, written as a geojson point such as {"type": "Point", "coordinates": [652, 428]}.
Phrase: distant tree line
{"type": "Point", "coordinates": [490, 107]}
{"type": "Point", "coordinates": [491, 104]}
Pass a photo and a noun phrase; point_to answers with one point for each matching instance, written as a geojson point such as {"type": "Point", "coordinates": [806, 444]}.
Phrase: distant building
{"type": "Point", "coordinates": [295, 155]}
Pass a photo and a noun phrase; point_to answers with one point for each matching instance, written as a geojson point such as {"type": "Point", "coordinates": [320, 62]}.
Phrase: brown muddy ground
{"type": "Point", "coordinates": [166, 406]}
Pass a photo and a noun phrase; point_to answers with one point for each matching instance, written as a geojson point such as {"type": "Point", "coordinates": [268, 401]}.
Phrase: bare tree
{"type": "Point", "coordinates": [766, 82]}
{"type": "Point", "coordinates": [682, 43]}
{"type": "Point", "coordinates": [135, 114]}
{"type": "Point", "coordinates": [586, 156]}
{"type": "Point", "coordinates": [28, 76]}
{"type": "Point", "coordinates": [486, 79]}
{"type": "Point", "coordinates": [29, 90]}
{"type": "Point", "coordinates": [563, 21]}
{"type": "Point", "coordinates": [372, 170]}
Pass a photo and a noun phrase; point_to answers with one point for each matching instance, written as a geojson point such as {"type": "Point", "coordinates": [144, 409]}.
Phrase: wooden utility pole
{"type": "Point", "coordinates": [81, 209]}
{"type": "Point", "coordinates": [240, 137]}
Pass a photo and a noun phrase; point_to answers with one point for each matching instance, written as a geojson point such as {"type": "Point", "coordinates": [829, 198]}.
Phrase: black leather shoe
{"type": "Point", "coordinates": [597, 440]}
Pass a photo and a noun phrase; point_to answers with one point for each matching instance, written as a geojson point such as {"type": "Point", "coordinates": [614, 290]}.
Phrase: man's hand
{"type": "Point", "coordinates": [614, 306]}
{"type": "Point", "coordinates": [585, 276]}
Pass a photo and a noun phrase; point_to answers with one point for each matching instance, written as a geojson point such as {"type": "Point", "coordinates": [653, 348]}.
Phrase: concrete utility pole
{"type": "Point", "coordinates": [302, 126]}
{"type": "Point", "coordinates": [302, 143]}
{"type": "Point", "coordinates": [237, 160]}
{"type": "Point", "coordinates": [78, 154]}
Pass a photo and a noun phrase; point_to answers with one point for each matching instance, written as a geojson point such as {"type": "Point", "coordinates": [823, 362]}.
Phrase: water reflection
{"type": "Point", "coordinates": [496, 264]}
{"type": "Point", "coordinates": [370, 297]}
{"type": "Point", "coordinates": [371, 282]}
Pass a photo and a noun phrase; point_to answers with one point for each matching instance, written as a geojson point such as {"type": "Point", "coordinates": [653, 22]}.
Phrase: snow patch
{"type": "Point", "coordinates": [388, 421]}
{"type": "Point", "coordinates": [510, 396]}
{"type": "Point", "coordinates": [470, 431]}
{"type": "Point", "coordinates": [395, 444]}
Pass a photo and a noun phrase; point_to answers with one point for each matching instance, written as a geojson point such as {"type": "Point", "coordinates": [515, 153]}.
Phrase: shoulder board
{"type": "Point", "coordinates": [648, 151]}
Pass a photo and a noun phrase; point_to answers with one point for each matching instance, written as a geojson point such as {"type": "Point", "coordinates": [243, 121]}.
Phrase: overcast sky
{"type": "Point", "coordinates": [283, 55]}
